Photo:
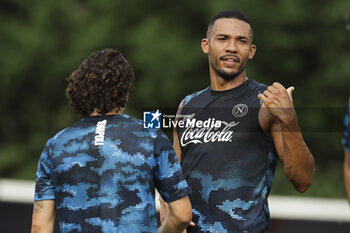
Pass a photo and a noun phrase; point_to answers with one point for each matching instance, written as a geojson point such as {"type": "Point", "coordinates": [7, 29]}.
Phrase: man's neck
{"type": "Point", "coordinates": [219, 84]}
{"type": "Point", "coordinates": [113, 112]}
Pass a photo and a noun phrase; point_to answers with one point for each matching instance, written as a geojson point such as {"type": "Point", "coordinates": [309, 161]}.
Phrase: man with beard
{"type": "Point", "coordinates": [230, 164]}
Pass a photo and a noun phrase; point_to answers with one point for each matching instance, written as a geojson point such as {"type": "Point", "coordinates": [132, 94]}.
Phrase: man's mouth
{"type": "Point", "coordinates": [230, 60]}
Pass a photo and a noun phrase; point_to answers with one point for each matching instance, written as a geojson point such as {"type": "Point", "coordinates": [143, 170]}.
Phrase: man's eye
{"type": "Point", "coordinates": [221, 38]}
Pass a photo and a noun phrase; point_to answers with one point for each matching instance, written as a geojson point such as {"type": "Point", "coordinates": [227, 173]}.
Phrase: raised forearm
{"type": "Point", "coordinates": [298, 160]}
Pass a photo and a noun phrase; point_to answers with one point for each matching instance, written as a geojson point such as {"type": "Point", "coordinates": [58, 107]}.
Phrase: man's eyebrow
{"type": "Point", "coordinates": [244, 37]}
{"type": "Point", "coordinates": [221, 34]}
{"type": "Point", "coordinates": [227, 35]}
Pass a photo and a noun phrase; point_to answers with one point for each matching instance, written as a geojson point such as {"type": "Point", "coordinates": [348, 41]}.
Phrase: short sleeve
{"type": "Point", "coordinates": [44, 189]}
{"type": "Point", "coordinates": [169, 179]}
{"type": "Point", "coordinates": [346, 134]}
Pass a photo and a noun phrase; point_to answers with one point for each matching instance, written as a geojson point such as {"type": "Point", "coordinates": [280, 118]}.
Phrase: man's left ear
{"type": "Point", "coordinates": [252, 51]}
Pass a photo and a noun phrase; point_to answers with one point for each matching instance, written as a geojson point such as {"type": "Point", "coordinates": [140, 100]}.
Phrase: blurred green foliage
{"type": "Point", "coordinates": [299, 43]}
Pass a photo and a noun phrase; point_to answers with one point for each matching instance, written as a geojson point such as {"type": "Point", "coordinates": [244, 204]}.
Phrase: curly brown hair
{"type": "Point", "coordinates": [102, 83]}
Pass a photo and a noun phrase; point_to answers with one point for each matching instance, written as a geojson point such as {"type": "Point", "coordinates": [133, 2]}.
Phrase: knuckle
{"type": "Point", "coordinates": [277, 85]}
{"type": "Point", "coordinates": [268, 101]}
{"type": "Point", "coordinates": [272, 89]}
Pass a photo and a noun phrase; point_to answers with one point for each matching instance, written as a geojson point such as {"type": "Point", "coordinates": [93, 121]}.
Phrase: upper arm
{"type": "Point", "coordinates": [276, 134]}
{"type": "Point", "coordinates": [44, 213]}
{"type": "Point", "coordinates": [272, 127]}
{"type": "Point", "coordinates": [44, 188]}
{"type": "Point", "coordinates": [176, 143]}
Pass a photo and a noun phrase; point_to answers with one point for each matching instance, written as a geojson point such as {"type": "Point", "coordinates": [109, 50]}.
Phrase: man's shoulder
{"type": "Point", "coordinates": [87, 125]}
{"type": "Point", "coordinates": [131, 120]}
{"type": "Point", "coordinates": [51, 141]}
{"type": "Point", "coordinates": [137, 127]}
{"type": "Point", "coordinates": [256, 86]}
{"type": "Point", "coordinates": [190, 97]}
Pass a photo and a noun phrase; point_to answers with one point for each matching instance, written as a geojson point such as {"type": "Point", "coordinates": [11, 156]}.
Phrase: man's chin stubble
{"type": "Point", "coordinates": [227, 76]}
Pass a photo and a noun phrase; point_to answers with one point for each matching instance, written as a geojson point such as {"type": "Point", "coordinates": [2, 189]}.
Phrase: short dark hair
{"type": "Point", "coordinates": [102, 82]}
{"type": "Point", "coordinates": [230, 14]}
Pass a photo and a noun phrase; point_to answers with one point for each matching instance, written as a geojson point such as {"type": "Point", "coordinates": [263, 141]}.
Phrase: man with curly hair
{"type": "Point", "coordinates": [100, 174]}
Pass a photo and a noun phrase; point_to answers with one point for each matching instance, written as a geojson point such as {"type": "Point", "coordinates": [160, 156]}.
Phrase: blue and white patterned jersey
{"type": "Point", "coordinates": [227, 160]}
{"type": "Point", "coordinates": [346, 135]}
{"type": "Point", "coordinates": [102, 173]}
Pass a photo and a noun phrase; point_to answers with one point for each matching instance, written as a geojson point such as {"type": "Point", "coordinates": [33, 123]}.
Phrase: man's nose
{"type": "Point", "coordinates": [232, 46]}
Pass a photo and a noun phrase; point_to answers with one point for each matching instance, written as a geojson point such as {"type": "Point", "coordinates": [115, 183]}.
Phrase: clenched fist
{"type": "Point", "coordinates": [279, 102]}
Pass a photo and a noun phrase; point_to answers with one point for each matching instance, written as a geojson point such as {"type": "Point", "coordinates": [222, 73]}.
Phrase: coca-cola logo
{"type": "Point", "coordinates": [212, 131]}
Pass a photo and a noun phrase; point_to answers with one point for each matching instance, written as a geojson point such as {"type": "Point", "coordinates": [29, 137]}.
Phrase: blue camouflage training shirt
{"type": "Point", "coordinates": [102, 173]}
